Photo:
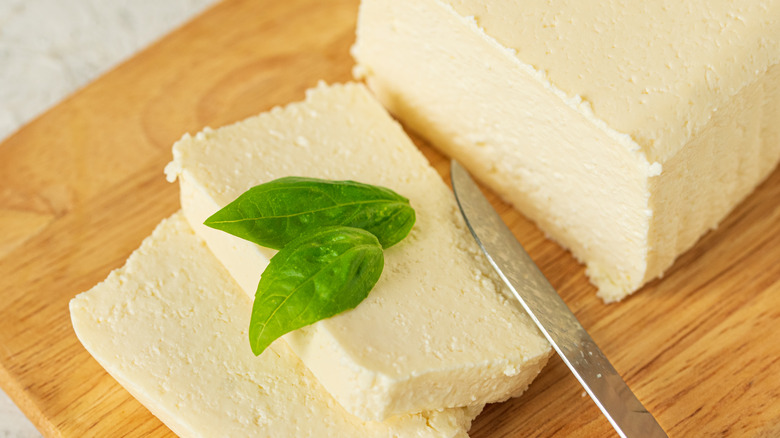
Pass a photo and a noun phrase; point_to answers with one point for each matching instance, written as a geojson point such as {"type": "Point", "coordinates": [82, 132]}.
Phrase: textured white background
{"type": "Point", "coordinates": [49, 49]}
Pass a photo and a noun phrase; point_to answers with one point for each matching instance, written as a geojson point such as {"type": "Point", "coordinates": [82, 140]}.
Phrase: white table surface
{"type": "Point", "coordinates": [51, 48]}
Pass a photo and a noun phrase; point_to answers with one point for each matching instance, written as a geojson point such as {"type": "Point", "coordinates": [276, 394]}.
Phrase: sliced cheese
{"type": "Point", "coordinates": [626, 131]}
{"type": "Point", "coordinates": [437, 330]}
{"type": "Point", "coordinates": [171, 327]}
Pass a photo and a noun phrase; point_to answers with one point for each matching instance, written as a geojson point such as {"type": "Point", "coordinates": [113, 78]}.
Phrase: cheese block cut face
{"type": "Point", "coordinates": [437, 329]}
{"type": "Point", "coordinates": [625, 130]}
{"type": "Point", "coordinates": [171, 327]}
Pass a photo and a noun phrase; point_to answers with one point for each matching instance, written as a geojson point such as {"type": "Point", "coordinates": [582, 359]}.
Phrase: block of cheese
{"type": "Point", "coordinates": [171, 327]}
{"type": "Point", "coordinates": [624, 130]}
{"type": "Point", "coordinates": [437, 330]}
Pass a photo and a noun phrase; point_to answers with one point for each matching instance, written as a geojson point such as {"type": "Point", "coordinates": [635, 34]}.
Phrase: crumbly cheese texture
{"type": "Point", "coordinates": [171, 327]}
{"type": "Point", "coordinates": [626, 130]}
{"type": "Point", "coordinates": [437, 330]}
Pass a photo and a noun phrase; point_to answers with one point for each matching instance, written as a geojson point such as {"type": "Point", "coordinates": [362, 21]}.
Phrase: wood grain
{"type": "Point", "coordinates": [81, 186]}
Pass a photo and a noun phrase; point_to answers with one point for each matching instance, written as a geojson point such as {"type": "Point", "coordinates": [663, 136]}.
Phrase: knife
{"type": "Point", "coordinates": [543, 304]}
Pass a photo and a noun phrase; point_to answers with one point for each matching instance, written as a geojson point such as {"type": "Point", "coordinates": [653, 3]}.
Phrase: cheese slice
{"type": "Point", "coordinates": [437, 330]}
{"type": "Point", "coordinates": [171, 327]}
{"type": "Point", "coordinates": [626, 131]}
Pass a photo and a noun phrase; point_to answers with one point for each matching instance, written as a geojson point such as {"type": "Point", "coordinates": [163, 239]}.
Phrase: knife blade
{"type": "Point", "coordinates": [539, 299]}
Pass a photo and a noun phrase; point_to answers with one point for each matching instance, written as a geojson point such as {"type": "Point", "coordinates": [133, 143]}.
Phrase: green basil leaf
{"type": "Point", "coordinates": [316, 276]}
{"type": "Point", "coordinates": [277, 212]}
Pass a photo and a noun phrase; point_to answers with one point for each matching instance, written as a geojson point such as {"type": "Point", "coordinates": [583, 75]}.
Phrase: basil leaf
{"type": "Point", "coordinates": [277, 212]}
{"type": "Point", "coordinates": [315, 276]}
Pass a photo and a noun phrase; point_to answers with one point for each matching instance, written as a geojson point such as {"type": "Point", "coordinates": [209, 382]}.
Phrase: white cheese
{"type": "Point", "coordinates": [626, 131]}
{"type": "Point", "coordinates": [171, 327]}
{"type": "Point", "coordinates": [437, 330]}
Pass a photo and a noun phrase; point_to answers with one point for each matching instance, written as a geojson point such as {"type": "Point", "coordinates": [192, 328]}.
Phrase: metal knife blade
{"type": "Point", "coordinates": [558, 324]}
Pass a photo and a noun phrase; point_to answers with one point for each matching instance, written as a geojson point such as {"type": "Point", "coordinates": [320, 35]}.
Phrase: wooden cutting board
{"type": "Point", "coordinates": [82, 185]}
